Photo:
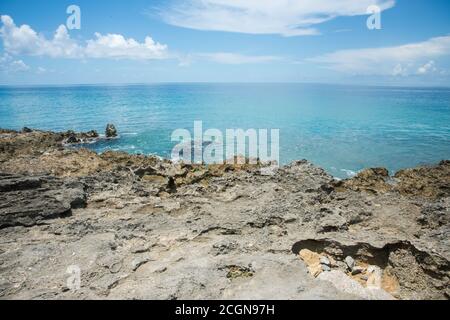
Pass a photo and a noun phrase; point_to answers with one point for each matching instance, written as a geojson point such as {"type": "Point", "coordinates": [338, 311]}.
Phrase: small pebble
{"type": "Point", "coordinates": [350, 262]}
{"type": "Point", "coordinates": [357, 270]}
{"type": "Point", "coordinates": [325, 261]}
{"type": "Point", "coordinates": [325, 268]}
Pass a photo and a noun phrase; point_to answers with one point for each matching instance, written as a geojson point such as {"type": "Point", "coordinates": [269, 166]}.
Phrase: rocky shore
{"type": "Point", "coordinates": [139, 227]}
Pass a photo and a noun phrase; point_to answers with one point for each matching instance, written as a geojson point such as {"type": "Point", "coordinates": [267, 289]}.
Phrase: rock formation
{"type": "Point", "coordinates": [111, 131]}
{"type": "Point", "coordinates": [139, 227]}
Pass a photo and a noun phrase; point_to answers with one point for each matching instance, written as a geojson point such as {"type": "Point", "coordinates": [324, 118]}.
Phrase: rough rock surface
{"type": "Point", "coordinates": [111, 131]}
{"type": "Point", "coordinates": [139, 227]}
{"type": "Point", "coordinates": [26, 201]}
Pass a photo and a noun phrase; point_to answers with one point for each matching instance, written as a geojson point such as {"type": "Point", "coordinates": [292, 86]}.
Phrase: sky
{"type": "Point", "coordinates": [144, 41]}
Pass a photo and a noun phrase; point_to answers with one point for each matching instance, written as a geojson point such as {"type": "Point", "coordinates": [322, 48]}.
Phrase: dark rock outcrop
{"type": "Point", "coordinates": [111, 131]}
{"type": "Point", "coordinates": [72, 137]}
{"type": "Point", "coordinates": [27, 201]}
{"type": "Point", "coordinates": [430, 182]}
{"type": "Point", "coordinates": [425, 182]}
{"type": "Point", "coordinates": [373, 180]}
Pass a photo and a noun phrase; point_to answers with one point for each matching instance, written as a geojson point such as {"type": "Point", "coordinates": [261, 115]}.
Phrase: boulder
{"type": "Point", "coordinates": [72, 139]}
{"type": "Point", "coordinates": [91, 134]}
{"type": "Point", "coordinates": [350, 262]}
{"type": "Point", "coordinates": [111, 131]}
{"type": "Point", "coordinates": [344, 283]}
{"type": "Point", "coordinates": [374, 180]}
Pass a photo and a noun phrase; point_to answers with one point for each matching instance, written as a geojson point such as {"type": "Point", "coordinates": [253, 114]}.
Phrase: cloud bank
{"type": "Point", "coordinates": [282, 17]}
{"type": "Point", "coordinates": [414, 58]}
{"type": "Point", "coordinates": [24, 40]}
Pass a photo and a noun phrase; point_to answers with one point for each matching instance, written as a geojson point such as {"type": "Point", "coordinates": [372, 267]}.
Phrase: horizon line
{"type": "Point", "coordinates": [130, 84]}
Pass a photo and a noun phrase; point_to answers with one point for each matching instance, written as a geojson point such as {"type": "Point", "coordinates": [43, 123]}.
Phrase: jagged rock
{"type": "Point", "coordinates": [27, 201]}
{"type": "Point", "coordinates": [72, 139]}
{"type": "Point", "coordinates": [332, 223]}
{"type": "Point", "coordinates": [357, 270]}
{"type": "Point", "coordinates": [435, 215]}
{"type": "Point", "coordinates": [111, 131]}
{"type": "Point", "coordinates": [312, 260]}
{"type": "Point", "coordinates": [344, 283]}
{"type": "Point", "coordinates": [224, 247]}
{"type": "Point", "coordinates": [91, 134]}
{"type": "Point", "coordinates": [16, 183]}
{"type": "Point", "coordinates": [373, 180]}
{"type": "Point", "coordinates": [429, 182]}
{"type": "Point", "coordinates": [350, 262]}
{"type": "Point", "coordinates": [146, 171]}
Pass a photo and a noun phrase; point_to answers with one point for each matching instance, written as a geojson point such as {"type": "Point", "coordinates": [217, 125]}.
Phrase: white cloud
{"type": "Point", "coordinates": [25, 41]}
{"type": "Point", "coordinates": [400, 70]}
{"type": "Point", "coordinates": [397, 60]}
{"type": "Point", "coordinates": [235, 58]}
{"type": "Point", "coordinates": [116, 46]}
{"type": "Point", "coordinates": [9, 65]}
{"type": "Point", "coordinates": [284, 17]}
{"type": "Point", "coordinates": [19, 65]}
{"type": "Point", "coordinates": [428, 67]}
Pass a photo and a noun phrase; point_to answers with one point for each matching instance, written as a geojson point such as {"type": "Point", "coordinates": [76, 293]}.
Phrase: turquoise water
{"type": "Point", "coordinates": [343, 129]}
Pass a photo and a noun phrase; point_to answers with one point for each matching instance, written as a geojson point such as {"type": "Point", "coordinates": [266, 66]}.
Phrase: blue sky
{"type": "Point", "coordinates": [137, 41]}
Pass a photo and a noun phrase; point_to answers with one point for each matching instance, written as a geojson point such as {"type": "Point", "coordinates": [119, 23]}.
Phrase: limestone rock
{"type": "Point", "coordinates": [27, 201]}
{"type": "Point", "coordinates": [312, 261]}
{"type": "Point", "coordinates": [373, 180]}
{"type": "Point", "coordinates": [375, 277]}
{"type": "Point", "coordinates": [429, 182]}
{"type": "Point", "coordinates": [138, 262]}
{"type": "Point", "coordinates": [332, 223]}
{"type": "Point", "coordinates": [194, 225]}
{"type": "Point", "coordinates": [346, 284]}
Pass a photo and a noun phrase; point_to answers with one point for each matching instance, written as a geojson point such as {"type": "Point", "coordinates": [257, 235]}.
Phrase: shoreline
{"type": "Point", "coordinates": [85, 139]}
{"type": "Point", "coordinates": [140, 227]}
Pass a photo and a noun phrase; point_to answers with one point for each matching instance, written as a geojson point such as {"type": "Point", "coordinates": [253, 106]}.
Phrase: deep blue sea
{"type": "Point", "coordinates": [341, 128]}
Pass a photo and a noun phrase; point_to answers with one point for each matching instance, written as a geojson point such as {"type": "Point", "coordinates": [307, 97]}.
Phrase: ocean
{"type": "Point", "coordinates": [343, 129]}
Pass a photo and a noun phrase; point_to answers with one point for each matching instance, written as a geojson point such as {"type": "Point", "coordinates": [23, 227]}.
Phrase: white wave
{"type": "Point", "coordinates": [349, 173]}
